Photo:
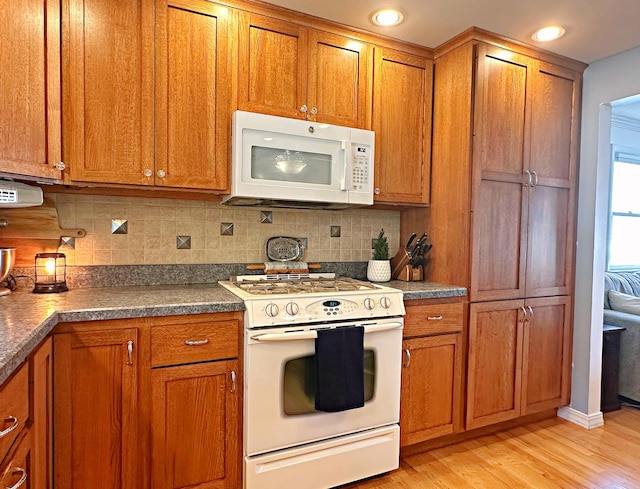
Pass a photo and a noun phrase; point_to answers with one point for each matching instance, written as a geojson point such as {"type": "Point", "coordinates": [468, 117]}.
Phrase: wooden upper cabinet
{"type": "Point", "coordinates": [193, 110]}
{"type": "Point", "coordinates": [30, 117]}
{"type": "Point", "coordinates": [524, 175]}
{"type": "Point", "coordinates": [339, 85]}
{"type": "Point", "coordinates": [402, 99]}
{"type": "Point", "coordinates": [109, 79]}
{"type": "Point", "coordinates": [272, 66]}
{"type": "Point", "coordinates": [291, 71]}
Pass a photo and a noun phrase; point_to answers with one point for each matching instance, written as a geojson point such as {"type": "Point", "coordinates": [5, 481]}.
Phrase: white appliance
{"type": "Point", "coordinates": [281, 162]}
{"type": "Point", "coordinates": [287, 443]}
{"type": "Point", "coordinates": [14, 194]}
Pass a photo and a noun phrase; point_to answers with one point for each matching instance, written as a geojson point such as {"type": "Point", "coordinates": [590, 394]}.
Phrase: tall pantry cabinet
{"type": "Point", "coordinates": [506, 126]}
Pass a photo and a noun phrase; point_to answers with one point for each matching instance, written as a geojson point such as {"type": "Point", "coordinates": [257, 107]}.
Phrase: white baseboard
{"type": "Point", "coordinates": [587, 421]}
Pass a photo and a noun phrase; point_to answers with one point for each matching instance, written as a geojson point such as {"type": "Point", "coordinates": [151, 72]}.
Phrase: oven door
{"type": "Point", "coordinates": [279, 400]}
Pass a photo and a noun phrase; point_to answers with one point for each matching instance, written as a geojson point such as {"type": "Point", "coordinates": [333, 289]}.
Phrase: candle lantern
{"type": "Point", "coordinates": [51, 273]}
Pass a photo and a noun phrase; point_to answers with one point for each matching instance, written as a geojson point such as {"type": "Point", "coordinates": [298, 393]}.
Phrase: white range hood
{"type": "Point", "coordinates": [14, 194]}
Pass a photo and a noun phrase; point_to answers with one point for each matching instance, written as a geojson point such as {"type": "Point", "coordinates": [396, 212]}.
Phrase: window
{"type": "Point", "coordinates": [624, 213]}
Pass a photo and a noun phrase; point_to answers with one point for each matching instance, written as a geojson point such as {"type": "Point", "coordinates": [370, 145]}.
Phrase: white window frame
{"type": "Point", "coordinates": [628, 155]}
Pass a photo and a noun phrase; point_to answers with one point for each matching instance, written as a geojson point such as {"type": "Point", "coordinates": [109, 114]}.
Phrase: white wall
{"type": "Point", "coordinates": [604, 81]}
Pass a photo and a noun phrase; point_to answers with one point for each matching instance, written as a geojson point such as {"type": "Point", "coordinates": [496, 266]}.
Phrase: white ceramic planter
{"type": "Point", "coordinates": [379, 270]}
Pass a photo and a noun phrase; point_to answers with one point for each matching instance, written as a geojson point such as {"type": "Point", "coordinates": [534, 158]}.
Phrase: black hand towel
{"type": "Point", "coordinates": [340, 369]}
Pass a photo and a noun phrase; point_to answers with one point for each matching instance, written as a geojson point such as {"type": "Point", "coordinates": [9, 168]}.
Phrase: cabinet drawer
{"type": "Point", "coordinates": [433, 319]}
{"type": "Point", "coordinates": [14, 408]}
{"type": "Point", "coordinates": [17, 469]}
{"type": "Point", "coordinates": [176, 344]}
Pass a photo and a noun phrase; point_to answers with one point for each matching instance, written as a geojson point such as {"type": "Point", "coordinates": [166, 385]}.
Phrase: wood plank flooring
{"type": "Point", "coordinates": [550, 454]}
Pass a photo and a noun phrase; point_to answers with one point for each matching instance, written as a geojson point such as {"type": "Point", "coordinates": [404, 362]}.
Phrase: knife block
{"type": "Point", "coordinates": [410, 274]}
{"type": "Point", "coordinates": [398, 262]}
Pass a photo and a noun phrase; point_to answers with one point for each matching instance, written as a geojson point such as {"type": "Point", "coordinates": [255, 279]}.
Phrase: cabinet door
{"type": "Point", "coordinates": [195, 426]}
{"type": "Point", "coordinates": [500, 202]}
{"type": "Point", "coordinates": [554, 137]}
{"type": "Point", "coordinates": [42, 392]}
{"type": "Point", "coordinates": [108, 101]}
{"type": "Point", "coordinates": [431, 388]}
{"type": "Point", "coordinates": [30, 123]}
{"type": "Point", "coordinates": [340, 75]}
{"type": "Point", "coordinates": [494, 372]}
{"type": "Point", "coordinates": [546, 363]}
{"type": "Point", "coordinates": [193, 93]}
{"type": "Point", "coordinates": [272, 66]}
{"type": "Point", "coordinates": [96, 386]}
{"type": "Point", "coordinates": [402, 98]}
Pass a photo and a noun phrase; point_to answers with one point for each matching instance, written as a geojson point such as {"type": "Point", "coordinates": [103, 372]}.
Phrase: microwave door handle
{"type": "Point", "coordinates": [344, 147]}
{"type": "Point", "coordinates": [310, 335]}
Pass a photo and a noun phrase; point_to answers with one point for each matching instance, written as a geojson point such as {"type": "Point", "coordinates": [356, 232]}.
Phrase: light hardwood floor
{"type": "Point", "coordinates": [550, 454]}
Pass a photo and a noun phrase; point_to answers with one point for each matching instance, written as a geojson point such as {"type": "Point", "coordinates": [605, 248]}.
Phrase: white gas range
{"type": "Point", "coordinates": [289, 440]}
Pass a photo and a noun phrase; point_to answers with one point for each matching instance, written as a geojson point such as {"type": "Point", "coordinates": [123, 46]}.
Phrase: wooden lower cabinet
{"type": "Point", "coordinates": [122, 424]}
{"type": "Point", "coordinates": [42, 407]}
{"type": "Point", "coordinates": [519, 358]}
{"type": "Point", "coordinates": [17, 470]}
{"type": "Point", "coordinates": [431, 395]}
{"type": "Point", "coordinates": [96, 409]}
{"type": "Point", "coordinates": [195, 426]}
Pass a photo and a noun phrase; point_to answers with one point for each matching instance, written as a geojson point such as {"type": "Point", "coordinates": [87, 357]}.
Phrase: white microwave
{"type": "Point", "coordinates": [282, 162]}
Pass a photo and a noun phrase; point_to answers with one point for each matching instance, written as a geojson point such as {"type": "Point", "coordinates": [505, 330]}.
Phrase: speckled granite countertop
{"type": "Point", "coordinates": [426, 290]}
{"type": "Point", "coordinates": [26, 318]}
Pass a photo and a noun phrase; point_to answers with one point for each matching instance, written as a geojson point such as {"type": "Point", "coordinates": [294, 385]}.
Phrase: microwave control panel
{"type": "Point", "coordinates": [360, 167]}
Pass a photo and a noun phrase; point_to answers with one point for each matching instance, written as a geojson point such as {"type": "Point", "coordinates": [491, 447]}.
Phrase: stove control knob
{"type": "Point", "coordinates": [385, 302]}
{"type": "Point", "coordinates": [292, 308]}
{"type": "Point", "coordinates": [369, 303]}
{"type": "Point", "coordinates": [271, 310]}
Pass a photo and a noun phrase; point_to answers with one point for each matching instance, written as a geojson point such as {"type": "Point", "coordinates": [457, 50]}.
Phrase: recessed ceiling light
{"type": "Point", "coordinates": [549, 33]}
{"type": "Point", "coordinates": [387, 17]}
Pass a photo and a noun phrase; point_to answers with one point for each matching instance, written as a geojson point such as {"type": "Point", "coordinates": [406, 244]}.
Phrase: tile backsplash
{"type": "Point", "coordinates": [153, 226]}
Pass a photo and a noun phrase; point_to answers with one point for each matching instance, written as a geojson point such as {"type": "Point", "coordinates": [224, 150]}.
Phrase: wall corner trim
{"type": "Point", "coordinates": [587, 421]}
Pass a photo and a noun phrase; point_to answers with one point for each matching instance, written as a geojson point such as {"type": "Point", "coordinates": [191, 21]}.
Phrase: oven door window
{"type": "Point", "coordinates": [299, 383]}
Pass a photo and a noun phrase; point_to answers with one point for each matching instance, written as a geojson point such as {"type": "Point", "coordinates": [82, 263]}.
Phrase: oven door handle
{"type": "Point", "coordinates": [311, 335]}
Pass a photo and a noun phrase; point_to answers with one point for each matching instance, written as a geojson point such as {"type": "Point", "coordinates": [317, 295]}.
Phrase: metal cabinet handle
{"type": "Point", "coordinates": [524, 311]}
{"type": "Point", "coordinates": [196, 342]}
{"type": "Point", "coordinates": [407, 354]}
{"type": "Point", "coordinates": [376, 191]}
{"type": "Point", "coordinates": [15, 424]}
{"type": "Point", "coordinates": [130, 352]}
{"type": "Point", "coordinates": [233, 381]}
{"type": "Point", "coordinates": [435, 318]}
{"type": "Point", "coordinates": [23, 477]}
{"type": "Point", "coordinates": [60, 165]}
{"type": "Point", "coordinates": [528, 182]}
{"type": "Point", "coordinates": [313, 111]}
{"type": "Point", "coordinates": [303, 109]}
{"type": "Point", "coordinates": [147, 172]}
{"type": "Point", "coordinates": [161, 173]}
{"type": "Point", "coordinates": [530, 312]}
{"type": "Point", "coordinates": [535, 178]}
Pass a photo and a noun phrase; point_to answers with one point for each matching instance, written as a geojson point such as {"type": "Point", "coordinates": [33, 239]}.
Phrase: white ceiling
{"type": "Point", "coordinates": [596, 29]}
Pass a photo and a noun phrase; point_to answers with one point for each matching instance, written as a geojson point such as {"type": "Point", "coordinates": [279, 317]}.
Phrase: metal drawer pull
{"type": "Point", "coordinates": [23, 477]}
{"type": "Point", "coordinates": [535, 178]}
{"type": "Point", "coordinates": [530, 312]}
{"type": "Point", "coordinates": [435, 318]}
{"type": "Point", "coordinates": [15, 422]}
{"type": "Point", "coordinates": [130, 352]}
{"type": "Point", "coordinates": [233, 381]}
{"type": "Point", "coordinates": [407, 354]}
{"type": "Point", "coordinates": [196, 342]}
{"type": "Point", "coordinates": [528, 182]}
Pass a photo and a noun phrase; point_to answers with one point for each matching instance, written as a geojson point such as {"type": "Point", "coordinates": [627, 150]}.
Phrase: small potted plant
{"type": "Point", "coordinates": [379, 267]}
